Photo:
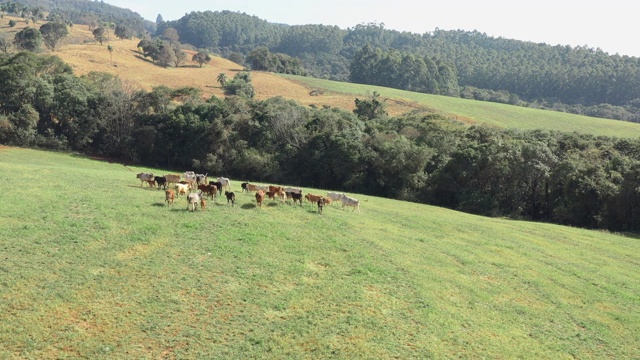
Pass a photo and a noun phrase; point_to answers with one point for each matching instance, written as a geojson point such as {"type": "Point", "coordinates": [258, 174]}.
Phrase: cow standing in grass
{"type": "Point", "coordinates": [144, 177]}
{"type": "Point", "coordinates": [193, 200]}
{"type": "Point", "coordinates": [230, 197]}
{"type": "Point", "coordinates": [169, 195]}
{"type": "Point", "coordinates": [259, 197]}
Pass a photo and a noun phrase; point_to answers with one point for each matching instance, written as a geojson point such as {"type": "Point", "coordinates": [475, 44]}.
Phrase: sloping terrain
{"type": "Point", "coordinates": [99, 267]}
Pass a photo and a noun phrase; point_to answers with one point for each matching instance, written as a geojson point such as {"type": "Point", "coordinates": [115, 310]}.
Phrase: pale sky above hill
{"type": "Point", "coordinates": [608, 25]}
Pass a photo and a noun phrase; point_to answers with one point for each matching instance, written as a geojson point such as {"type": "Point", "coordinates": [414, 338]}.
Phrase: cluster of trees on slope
{"type": "Point", "coordinates": [575, 79]}
{"type": "Point", "coordinates": [566, 178]}
{"type": "Point", "coordinates": [85, 12]}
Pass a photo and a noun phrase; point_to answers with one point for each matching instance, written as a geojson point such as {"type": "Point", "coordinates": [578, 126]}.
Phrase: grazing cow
{"type": "Point", "coordinates": [293, 190]}
{"type": "Point", "coordinates": [144, 177]}
{"type": "Point", "coordinates": [312, 198]}
{"type": "Point", "coordinates": [203, 204]}
{"type": "Point", "coordinates": [321, 203]}
{"type": "Point", "coordinates": [327, 200]}
{"type": "Point", "coordinates": [226, 183]}
{"type": "Point", "coordinates": [275, 189]}
{"type": "Point", "coordinates": [218, 186]}
{"type": "Point", "coordinates": [182, 188]}
{"type": "Point", "coordinates": [295, 197]}
{"type": "Point", "coordinates": [271, 195]}
{"type": "Point", "coordinates": [190, 177]}
{"type": "Point", "coordinates": [172, 179]}
{"type": "Point", "coordinates": [260, 197]}
{"type": "Point", "coordinates": [230, 197]}
{"type": "Point", "coordinates": [152, 183]}
{"type": "Point", "coordinates": [252, 187]}
{"type": "Point", "coordinates": [210, 190]}
{"type": "Point", "coordinates": [348, 201]}
{"type": "Point", "coordinates": [193, 200]}
{"type": "Point", "coordinates": [161, 181]}
{"type": "Point", "coordinates": [334, 196]}
{"type": "Point", "coordinates": [244, 186]}
{"type": "Point", "coordinates": [169, 195]}
{"type": "Point", "coordinates": [282, 195]}
{"type": "Point", "coordinates": [201, 178]}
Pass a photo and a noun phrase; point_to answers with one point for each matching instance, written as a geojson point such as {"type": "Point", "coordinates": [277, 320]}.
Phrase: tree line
{"type": "Point", "coordinates": [565, 178]}
{"type": "Point", "coordinates": [579, 79]}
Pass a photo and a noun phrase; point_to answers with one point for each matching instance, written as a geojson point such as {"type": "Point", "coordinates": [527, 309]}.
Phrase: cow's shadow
{"type": "Point", "coordinates": [249, 206]}
{"type": "Point", "coordinates": [159, 204]}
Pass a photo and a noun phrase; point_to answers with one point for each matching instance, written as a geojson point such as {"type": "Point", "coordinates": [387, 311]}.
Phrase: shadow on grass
{"type": "Point", "coordinates": [159, 204]}
{"type": "Point", "coordinates": [249, 206]}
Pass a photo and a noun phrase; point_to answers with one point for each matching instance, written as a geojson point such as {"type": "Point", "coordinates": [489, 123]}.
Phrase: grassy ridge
{"type": "Point", "coordinates": [94, 266]}
{"type": "Point", "coordinates": [500, 115]}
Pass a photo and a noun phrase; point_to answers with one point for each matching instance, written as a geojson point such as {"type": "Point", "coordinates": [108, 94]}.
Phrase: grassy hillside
{"type": "Point", "coordinates": [472, 111]}
{"type": "Point", "coordinates": [94, 266]}
{"type": "Point", "coordinates": [84, 54]}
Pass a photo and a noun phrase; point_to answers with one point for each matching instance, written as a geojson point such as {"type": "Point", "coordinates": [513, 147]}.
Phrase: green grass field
{"type": "Point", "coordinates": [94, 266]}
{"type": "Point", "coordinates": [483, 112]}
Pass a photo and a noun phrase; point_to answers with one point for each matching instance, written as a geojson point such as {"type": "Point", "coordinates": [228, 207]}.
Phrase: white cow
{"type": "Point", "coordinates": [226, 183]}
{"type": "Point", "coordinates": [348, 201]}
{"type": "Point", "coordinates": [193, 200]}
{"type": "Point", "coordinates": [334, 196]}
{"type": "Point", "coordinates": [190, 177]}
{"type": "Point", "coordinates": [182, 189]}
{"type": "Point", "coordinates": [144, 177]}
{"type": "Point", "coordinates": [293, 190]}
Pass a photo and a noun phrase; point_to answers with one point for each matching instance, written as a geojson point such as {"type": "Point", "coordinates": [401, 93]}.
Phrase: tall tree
{"type": "Point", "coordinates": [29, 39]}
{"type": "Point", "coordinates": [201, 57]}
{"type": "Point", "coordinates": [52, 32]}
{"type": "Point", "coordinates": [123, 31]}
{"type": "Point", "coordinates": [100, 34]}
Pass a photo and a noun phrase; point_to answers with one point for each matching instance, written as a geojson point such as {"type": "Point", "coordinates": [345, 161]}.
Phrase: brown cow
{"type": "Point", "coordinates": [169, 195]}
{"type": "Point", "coordinates": [210, 190]}
{"type": "Point", "coordinates": [313, 198]}
{"type": "Point", "coordinates": [152, 183]}
{"type": "Point", "coordinates": [260, 197]}
{"type": "Point", "coordinates": [172, 178]}
{"type": "Point", "coordinates": [203, 204]}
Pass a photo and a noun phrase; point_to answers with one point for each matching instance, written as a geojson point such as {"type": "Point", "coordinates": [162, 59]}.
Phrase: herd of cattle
{"type": "Point", "coordinates": [197, 188]}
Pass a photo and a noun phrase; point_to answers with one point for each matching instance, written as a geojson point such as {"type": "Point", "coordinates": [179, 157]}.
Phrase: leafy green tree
{"type": "Point", "coordinates": [171, 35]}
{"type": "Point", "coordinates": [240, 85]}
{"type": "Point", "coordinates": [222, 79]}
{"type": "Point", "coordinates": [180, 56]}
{"type": "Point", "coordinates": [28, 39]}
{"type": "Point", "coordinates": [371, 108]}
{"type": "Point", "coordinates": [52, 33]}
{"type": "Point", "coordinates": [100, 34]}
{"type": "Point", "coordinates": [166, 55]}
{"type": "Point", "coordinates": [123, 32]}
{"type": "Point", "coordinates": [201, 57]}
{"type": "Point", "coordinates": [12, 23]}
{"type": "Point", "coordinates": [236, 57]}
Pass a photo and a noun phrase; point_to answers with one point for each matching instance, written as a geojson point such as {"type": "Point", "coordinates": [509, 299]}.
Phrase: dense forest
{"type": "Point", "coordinates": [573, 79]}
{"type": "Point", "coordinates": [572, 179]}
{"type": "Point", "coordinates": [85, 12]}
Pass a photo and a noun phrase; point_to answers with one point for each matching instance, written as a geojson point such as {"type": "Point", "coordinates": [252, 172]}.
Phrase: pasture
{"type": "Point", "coordinates": [94, 266]}
{"type": "Point", "coordinates": [480, 112]}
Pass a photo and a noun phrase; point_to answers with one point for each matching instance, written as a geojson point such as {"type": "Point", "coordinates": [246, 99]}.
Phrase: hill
{"type": "Point", "coordinates": [98, 267]}
{"type": "Point", "coordinates": [84, 54]}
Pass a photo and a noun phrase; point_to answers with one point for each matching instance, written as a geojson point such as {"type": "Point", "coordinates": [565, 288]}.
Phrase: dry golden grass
{"type": "Point", "coordinates": [84, 54]}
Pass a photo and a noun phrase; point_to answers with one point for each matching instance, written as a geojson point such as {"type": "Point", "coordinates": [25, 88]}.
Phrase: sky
{"type": "Point", "coordinates": [608, 25]}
